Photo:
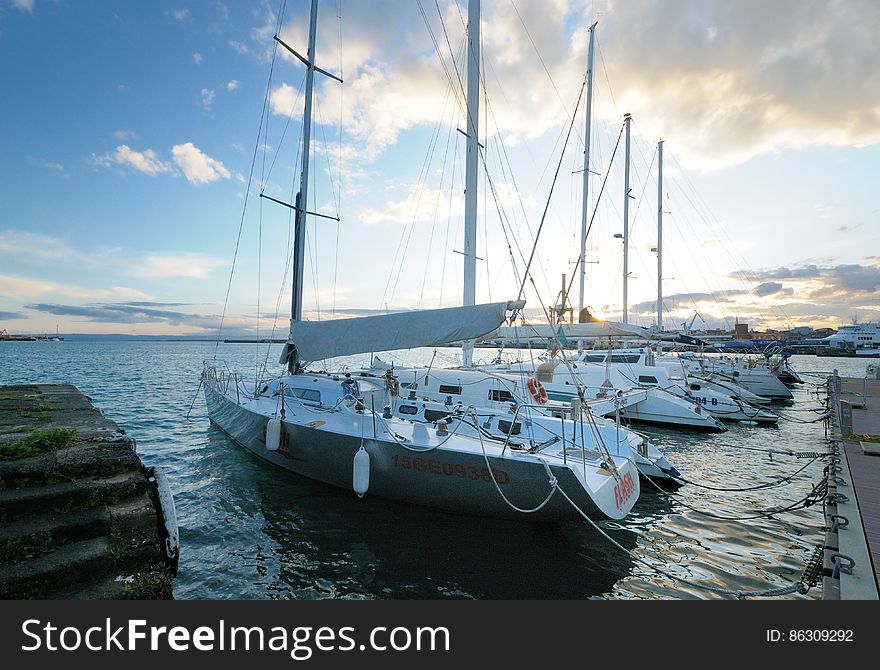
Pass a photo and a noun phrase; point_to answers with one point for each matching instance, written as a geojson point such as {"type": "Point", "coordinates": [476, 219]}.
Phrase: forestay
{"type": "Point", "coordinates": [319, 340]}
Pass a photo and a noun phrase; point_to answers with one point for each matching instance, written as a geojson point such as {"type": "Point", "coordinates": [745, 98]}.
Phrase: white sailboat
{"type": "Point", "coordinates": [334, 428]}
{"type": "Point", "coordinates": [641, 366]}
{"type": "Point", "coordinates": [507, 409]}
{"type": "Point", "coordinates": [752, 376]}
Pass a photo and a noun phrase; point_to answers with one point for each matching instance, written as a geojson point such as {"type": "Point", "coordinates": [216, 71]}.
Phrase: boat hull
{"type": "Point", "coordinates": [451, 481]}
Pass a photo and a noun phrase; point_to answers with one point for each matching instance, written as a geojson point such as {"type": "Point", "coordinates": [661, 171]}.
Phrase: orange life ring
{"type": "Point", "coordinates": [536, 388]}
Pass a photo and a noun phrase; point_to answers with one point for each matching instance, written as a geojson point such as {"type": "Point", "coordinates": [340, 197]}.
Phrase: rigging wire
{"type": "Point", "coordinates": [702, 210]}
{"type": "Point", "coordinates": [596, 208]}
{"type": "Point", "coordinates": [436, 209]}
{"type": "Point", "coordinates": [415, 206]}
{"type": "Point", "coordinates": [263, 119]}
{"type": "Point", "coordinates": [550, 195]}
{"type": "Point", "coordinates": [543, 64]}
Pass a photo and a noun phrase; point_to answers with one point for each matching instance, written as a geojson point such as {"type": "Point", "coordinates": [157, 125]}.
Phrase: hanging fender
{"type": "Point", "coordinates": [273, 434]}
{"type": "Point", "coordinates": [361, 472]}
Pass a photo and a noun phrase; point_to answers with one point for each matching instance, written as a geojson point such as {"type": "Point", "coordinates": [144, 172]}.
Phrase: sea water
{"type": "Point", "coordinates": [249, 530]}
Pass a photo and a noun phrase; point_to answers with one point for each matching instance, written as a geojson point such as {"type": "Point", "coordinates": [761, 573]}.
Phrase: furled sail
{"type": "Point", "coordinates": [319, 340]}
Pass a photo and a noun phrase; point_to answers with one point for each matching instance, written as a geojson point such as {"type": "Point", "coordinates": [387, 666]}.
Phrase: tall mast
{"type": "Point", "coordinates": [302, 197]}
{"type": "Point", "coordinates": [585, 208]}
{"type": "Point", "coordinates": [660, 235]}
{"type": "Point", "coordinates": [627, 118]}
{"type": "Point", "coordinates": [471, 164]}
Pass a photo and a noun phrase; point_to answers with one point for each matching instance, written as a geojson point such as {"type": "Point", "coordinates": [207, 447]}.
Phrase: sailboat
{"type": "Point", "coordinates": [506, 409]}
{"type": "Point", "coordinates": [337, 429]}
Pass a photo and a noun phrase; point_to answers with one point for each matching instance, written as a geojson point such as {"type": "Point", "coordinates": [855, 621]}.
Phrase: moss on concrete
{"type": "Point", "coordinates": [38, 442]}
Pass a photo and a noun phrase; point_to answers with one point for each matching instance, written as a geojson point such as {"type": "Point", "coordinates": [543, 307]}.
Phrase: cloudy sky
{"type": "Point", "coordinates": [137, 137]}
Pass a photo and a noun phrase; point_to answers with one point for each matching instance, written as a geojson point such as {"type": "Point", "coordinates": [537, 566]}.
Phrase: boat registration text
{"type": "Point", "coordinates": [435, 467]}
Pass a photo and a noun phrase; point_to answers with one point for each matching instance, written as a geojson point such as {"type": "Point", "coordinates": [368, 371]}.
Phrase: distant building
{"type": "Point", "coordinates": [741, 331]}
{"type": "Point", "coordinates": [771, 335]}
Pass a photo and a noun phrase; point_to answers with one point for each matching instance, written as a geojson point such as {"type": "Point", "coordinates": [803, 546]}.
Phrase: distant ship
{"type": "Point", "coordinates": [861, 338]}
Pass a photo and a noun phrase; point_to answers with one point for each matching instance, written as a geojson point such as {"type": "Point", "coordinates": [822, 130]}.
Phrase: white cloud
{"type": "Point", "coordinates": [197, 57]}
{"type": "Point", "coordinates": [18, 286]}
{"type": "Point", "coordinates": [128, 293]}
{"type": "Point", "coordinates": [24, 5]}
{"type": "Point", "coordinates": [179, 15]}
{"type": "Point", "coordinates": [207, 98]}
{"type": "Point", "coordinates": [238, 47]}
{"type": "Point", "coordinates": [232, 85]}
{"type": "Point", "coordinates": [36, 246]}
{"type": "Point", "coordinates": [729, 83]}
{"type": "Point", "coordinates": [186, 265]}
{"type": "Point", "coordinates": [143, 161]}
{"type": "Point", "coordinates": [284, 100]}
{"type": "Point", "coordinates": [125, 135]}
{"type": "Point", "coordinates": [197, 167]}
{"type": "Point", "coordinates": [51, 165]}
{"type": "Point", "coordinates": [25, 287]}
{"type": "Point", "coordinates": [724, 83]}
{"type": "Point", "coordinates": [56, 251]}
{"type": "Point", "coordinates": [420, 204]}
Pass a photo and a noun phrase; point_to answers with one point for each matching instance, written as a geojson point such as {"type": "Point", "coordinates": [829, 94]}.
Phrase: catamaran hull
{"type": "Point", "coordinates": [451, 481]}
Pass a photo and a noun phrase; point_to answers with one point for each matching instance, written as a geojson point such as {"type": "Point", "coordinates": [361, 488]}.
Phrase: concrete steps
{"type": "Point", "coordinates": [71, 495]}
{"type": "Point", "coordinates": [82, 520]}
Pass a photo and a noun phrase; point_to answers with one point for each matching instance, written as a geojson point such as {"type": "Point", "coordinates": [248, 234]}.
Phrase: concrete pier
{"type": "Point", "coordinates": [852, 554]}
{"type": "Point", "coordinates": [80, 515]}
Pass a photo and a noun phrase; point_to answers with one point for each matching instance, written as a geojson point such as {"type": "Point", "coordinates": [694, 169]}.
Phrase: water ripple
{"type": "Point", "coordinates": [249, 530]}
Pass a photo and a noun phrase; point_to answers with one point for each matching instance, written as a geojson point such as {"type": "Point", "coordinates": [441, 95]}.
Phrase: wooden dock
{"type": "Point", "coordinates": [852, 553]}
{"type": "Point", "coordinates": [80, 515]}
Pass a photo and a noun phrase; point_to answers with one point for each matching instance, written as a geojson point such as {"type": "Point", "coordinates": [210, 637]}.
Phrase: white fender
{"type": "Point", "coordinates": [273, 434]}
{"type": "Point", "coordinates": [361, 472]}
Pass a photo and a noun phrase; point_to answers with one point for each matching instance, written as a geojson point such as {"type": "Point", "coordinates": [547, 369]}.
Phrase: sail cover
{"type": "Point", "coordinates": [571, 331]}
{"type": "Point", "coordinates": [318, 340]}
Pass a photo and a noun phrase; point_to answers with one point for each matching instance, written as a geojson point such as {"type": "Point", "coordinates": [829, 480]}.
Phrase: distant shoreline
{"type": "Point", "coordinates": [119, 338]}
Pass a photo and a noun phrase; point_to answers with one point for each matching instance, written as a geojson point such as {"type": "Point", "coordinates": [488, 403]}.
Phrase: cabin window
{"type": "Point", "coordinates": [409, 385]}
{"type": "Point", "coordinates": [308, 395]}
{"type": "Point", "coordinates": [450, 389]}
{"type": "Point", "coordinates": [500, 395]}
{"type": "Point", "coordinates": [408, 409]}
{"type": "Point", "coordinates": [647, 379]}
{"type": "Point", "coordinates": [595, 358]}
{"type": "Point", "coordinates": [435, 415]}
{"type": "Point", "coordinates": [695, 387]}
{"type": "Point", "coordinates": [624, 358]}
{"type": "Point", "coordinates": [509, 427]}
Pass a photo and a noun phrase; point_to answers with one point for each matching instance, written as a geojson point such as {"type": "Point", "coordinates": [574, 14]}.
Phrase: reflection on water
{"type": "Point", "coordinates": [290, 537]}
{"type": "Point", "coordinates": [250, 530]}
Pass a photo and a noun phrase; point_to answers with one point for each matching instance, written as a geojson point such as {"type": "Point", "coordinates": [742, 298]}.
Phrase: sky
{"type": "Point", "coordinates": [137, 138]}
